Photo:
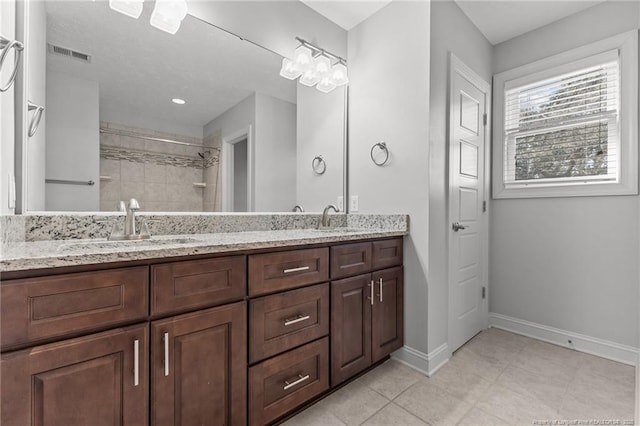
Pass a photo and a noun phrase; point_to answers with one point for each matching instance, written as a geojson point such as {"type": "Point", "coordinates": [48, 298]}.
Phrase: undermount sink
{"type": "Point", "coordinates": [339, 229]}
{"type": "Point", "coordinates": [106, 244]}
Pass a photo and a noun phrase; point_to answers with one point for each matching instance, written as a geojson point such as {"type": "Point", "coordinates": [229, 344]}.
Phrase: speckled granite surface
{"type": "Point", "coordinates": [80, 240]}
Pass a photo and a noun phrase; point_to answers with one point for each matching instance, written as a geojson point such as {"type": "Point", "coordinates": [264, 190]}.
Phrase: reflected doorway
{"type": "Point", "coordinates": [237, 169]}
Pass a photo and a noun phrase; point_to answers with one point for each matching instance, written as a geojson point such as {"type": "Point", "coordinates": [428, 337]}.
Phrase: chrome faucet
{"type": "Point", "coordinates": [298, 208]}
{"type": "Point", "coordinates": [326, 222]}
{"type": "Point", "coordinates": [130, 221]}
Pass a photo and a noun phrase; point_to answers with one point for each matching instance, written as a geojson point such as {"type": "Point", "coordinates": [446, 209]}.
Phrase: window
{"type": "Point", "coordinates": [567, 125]}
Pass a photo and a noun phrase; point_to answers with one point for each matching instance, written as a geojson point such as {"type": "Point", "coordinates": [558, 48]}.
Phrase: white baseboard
{"type": "Point", "coordinates": [580, 342]}
{"type": "Point", "coordinates": [427, 364]}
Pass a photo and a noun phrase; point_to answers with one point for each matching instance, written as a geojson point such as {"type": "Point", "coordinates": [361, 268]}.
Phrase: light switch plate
{"type": "Point", "coordinates": [341, 203]}
{"type": "Point", "coordinates": [353, 207]}
{"type": "Point", "coordinates": [12, 191]}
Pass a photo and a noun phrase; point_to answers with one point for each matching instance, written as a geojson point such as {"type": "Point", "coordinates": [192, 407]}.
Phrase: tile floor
{"type": "Point", "coordinates": [497, 378]}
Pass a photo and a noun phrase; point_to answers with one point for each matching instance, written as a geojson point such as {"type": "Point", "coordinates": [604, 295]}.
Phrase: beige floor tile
{"type": "Point", "coordinates": [460, 383]}
{"type": "Point", "coordinates": [394, 415]}
{"type": "Point", "coordinates": [546, 366]}
{"type": "Point", "coordinates": [432, 404]}
{"type": "Point", "coordinates": [314, 416]}
{"type": "Point", "coordinates": [526, 383]}
{"type": "Point", "coordinates": [576, 406]}
{"type": "Point", "coordinates": [354, 403]}
{"type": "Point", "coordinates": [391, 378]}
{"type": "Point", "coordinates": [487, 367]}
{"type": "Point", "coordinates": [555, 353]}
{"type": "Point", "coordinates": [477, 417]}
{"type": "Point", "coordinates": [515, 408]}
{"type": "Point", "coordinates": [607, 368]}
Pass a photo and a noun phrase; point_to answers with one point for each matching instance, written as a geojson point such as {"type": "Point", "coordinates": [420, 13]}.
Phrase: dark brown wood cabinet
{"type": "Point", "coordinates": [100, 379]}
{"type": "Point", "coordinates": [223, 340]}
{"type": "Point", "coordinates": [367, 321]}
{"type": "Point", "coordinates": [198, 368]}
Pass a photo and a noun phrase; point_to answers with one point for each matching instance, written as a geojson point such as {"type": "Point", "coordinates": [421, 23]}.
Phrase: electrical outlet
{"type": "Point", "coordinates": [353, 207]}
{"type": "Point", "coordinates": [12, 191]}
{"type": "Point", "coordinates": [341, 203]}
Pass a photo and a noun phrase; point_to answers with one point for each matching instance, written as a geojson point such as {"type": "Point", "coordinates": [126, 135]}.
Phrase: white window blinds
{"type": "Point", "coordinates": [562, 126]}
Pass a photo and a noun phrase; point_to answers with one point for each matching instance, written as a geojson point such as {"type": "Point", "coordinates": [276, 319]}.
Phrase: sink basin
{"type": "Point", "coordinates": [105, 244]}
{"type": "Point", "coordinates": [339, 229]}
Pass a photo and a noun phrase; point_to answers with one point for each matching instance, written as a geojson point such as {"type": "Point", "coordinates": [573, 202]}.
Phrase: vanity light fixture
{"type": "Point", "coordinates": [132, 8]}
{"type": "Point", "coordinates": [313, 65]}
{"type": "Point", "coordinates": [178, 101]}
{"type": "Point", "coordinates": [168, 14]}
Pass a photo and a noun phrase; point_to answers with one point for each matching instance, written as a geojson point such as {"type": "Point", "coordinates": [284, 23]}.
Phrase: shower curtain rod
{"type": "Point", "coordinates": [151, 138]}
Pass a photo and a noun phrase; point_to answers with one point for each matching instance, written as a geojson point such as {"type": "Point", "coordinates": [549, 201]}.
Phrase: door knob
{"type": "Point", "coordinates": [457, 227]}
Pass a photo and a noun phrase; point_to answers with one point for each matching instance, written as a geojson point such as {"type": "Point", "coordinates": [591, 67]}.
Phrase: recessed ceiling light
{"type": "Point", "coordinates": [178, 101]}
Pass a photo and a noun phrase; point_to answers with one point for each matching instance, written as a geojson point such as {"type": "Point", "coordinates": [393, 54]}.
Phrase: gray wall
{"type": "Point", "coordinates": [569, 263]}
{"type": "Point", "coordinates": [320, 130]}
{"type": "Point", "coordinates": [451, 31]}
{"type": "Point", "coordinates": [73, 144]}
{"type": "Point", "coordinates": [389, 100]}
{"type": "Point", "coordinates": [275, 154]}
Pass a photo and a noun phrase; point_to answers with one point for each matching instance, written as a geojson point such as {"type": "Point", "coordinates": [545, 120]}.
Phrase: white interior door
{"type": "Point", "coordinates": [469, 101]}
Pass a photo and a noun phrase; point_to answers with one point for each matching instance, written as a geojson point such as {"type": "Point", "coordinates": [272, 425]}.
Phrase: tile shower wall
{"type": "Point", "coordinates": [161, 176]}
{"type": "Point", "coordinates": [212, 199]}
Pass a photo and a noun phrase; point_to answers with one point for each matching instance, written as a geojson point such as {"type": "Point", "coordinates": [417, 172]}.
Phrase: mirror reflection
{"type": "Point", "coordinates": [196, 121]}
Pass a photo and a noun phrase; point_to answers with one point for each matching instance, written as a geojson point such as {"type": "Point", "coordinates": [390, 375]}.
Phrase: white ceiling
{"type": "Point", "coordinates": [502, 20]}
{"type": "Point", "coordinates": [142, 68]}
{"type": "Point", "coordinates": [346, 13]}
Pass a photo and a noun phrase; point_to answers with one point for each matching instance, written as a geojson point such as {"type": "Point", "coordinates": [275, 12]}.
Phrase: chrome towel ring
{"type": "Point", "coordinates": [383, 148]}
{"type": "Point", "coordinates": [35, 120]}
{"type": "Point", "coordinates": [6, 45]}
{"type": "Point", "coordinates": [318, 165]}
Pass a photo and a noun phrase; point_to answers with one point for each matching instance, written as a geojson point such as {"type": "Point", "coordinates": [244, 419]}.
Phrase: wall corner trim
{"type": "Point", "coordinates": [427, 364]}
{"type": "Point", "coordinates": [579, 342]}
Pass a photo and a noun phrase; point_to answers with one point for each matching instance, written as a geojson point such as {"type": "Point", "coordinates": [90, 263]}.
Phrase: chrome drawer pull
{"type": "Point", "coordinates": [299, 380]}
{"type": "Point", "coordinates": [380, 290]}
{"type": "Point", "coordinates": [371, 298]}
{"type": "Point", "coordinates": [297, 319]}
{"type": "Point", "coordinates": [302, 268]}
{"type": "Point", "coordinates": [136, 362]}
{"type": "Point", "coordinates": [166, 354]}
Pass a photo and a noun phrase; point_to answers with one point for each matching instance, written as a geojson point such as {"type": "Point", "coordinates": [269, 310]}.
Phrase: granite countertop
{"type": "Point", "coordinates": [21, 256]}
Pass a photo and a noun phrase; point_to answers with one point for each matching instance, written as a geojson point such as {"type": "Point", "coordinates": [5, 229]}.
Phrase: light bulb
{"type": "Point", "coordinates": [168, 14]}
{"type": "Point", "coordinates": [309, 78]}
{"type": "Point", "coordinates": [303, 58]}
{"type": "Point", "coordinates": [339, 74]}
{"type": "Point", "coordinates": [321, 65]}
{"type": "Point", "coordinates": [326, 85]}
{"type": "Point", "coordinates": [132, 8]}
{"type": "Point", "coordinates": [289, 69]}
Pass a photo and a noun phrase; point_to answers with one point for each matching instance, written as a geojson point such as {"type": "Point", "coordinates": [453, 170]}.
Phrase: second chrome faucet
{"type": "Point", "coordinates": [326, 221]}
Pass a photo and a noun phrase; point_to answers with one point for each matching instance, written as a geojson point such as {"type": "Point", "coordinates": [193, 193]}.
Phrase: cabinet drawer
{"type": "Point", "coordinates": [387, 253]}
{"type": "Point", "coordinates": [273, 272]}
{"type": "Point", "coordinates": [280, 384]}
{"type": "Point", "coordinates": [283, 321]}
{"type": "Point", "coordinates": [37, 309]}
{"type": "Point", "coordinates": [350, 259]}
{"type": "Point", "coordinates": [179, 286]}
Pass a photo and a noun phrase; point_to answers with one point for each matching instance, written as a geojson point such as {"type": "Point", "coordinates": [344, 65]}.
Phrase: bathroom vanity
{"type": "Point", "coordinates": [198, 330]}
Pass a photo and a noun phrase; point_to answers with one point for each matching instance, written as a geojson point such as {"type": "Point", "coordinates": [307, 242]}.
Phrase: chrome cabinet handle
{"type": "Point", "coordinates": [380, 283]}
{"type": "Point", "coordinates": [301, 268]}
{"type": "Point", "coordinates": [136, 362]}
{"type": "Point", "coordinates": [297, 319]}
{"type": "Point", "coordinates": [457, 227]}
{"type": "Point", "coordinates": [166, 354]}
{"type": "Point", "coordinates": [35, 120]}
{"type": "Point", "coordinates": [371, 288]}
{"type": "Point", "coordinates": [298, 380]}
{"type": "Point", "coordinates": [6, 45]}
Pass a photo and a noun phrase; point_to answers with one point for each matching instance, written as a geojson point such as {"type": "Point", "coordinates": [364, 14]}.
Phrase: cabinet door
{"type": "Point", "coordinates": [99, 379]}
{"type": "Point", "coordinates": [388, 312]}
{"type": "Point", "coordinates": [350, 327]}
{"type": "Point", "coordinates": [198, 368]}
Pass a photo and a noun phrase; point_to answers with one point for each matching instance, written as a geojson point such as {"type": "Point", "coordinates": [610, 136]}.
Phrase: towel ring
{"type": "Point", "coordinates": [383, 147]}
{"type": "Point", "coordinates": [6, 45]}
{"type": "Point", "coordinates": [318, 165]}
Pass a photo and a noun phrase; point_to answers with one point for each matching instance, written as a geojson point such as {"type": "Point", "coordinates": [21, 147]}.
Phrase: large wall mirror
{"type": "Point", "coordinates": [114, 126]}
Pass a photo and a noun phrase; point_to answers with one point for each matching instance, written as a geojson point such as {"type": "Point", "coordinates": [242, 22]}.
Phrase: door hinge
{"type": "Point", "coordinates": [484, 292]}
{"type": "Point", "coordinates": [484, 118]}
{"type": "Point", "coordinates": [484, 206]}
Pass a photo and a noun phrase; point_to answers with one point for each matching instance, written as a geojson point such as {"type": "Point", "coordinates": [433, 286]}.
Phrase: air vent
{"type": "Point", "coordinates": [63, 51]}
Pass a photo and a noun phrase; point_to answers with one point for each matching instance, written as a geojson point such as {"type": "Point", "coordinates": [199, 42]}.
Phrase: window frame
{"type": "Point", "coordinates": [627, 183]}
